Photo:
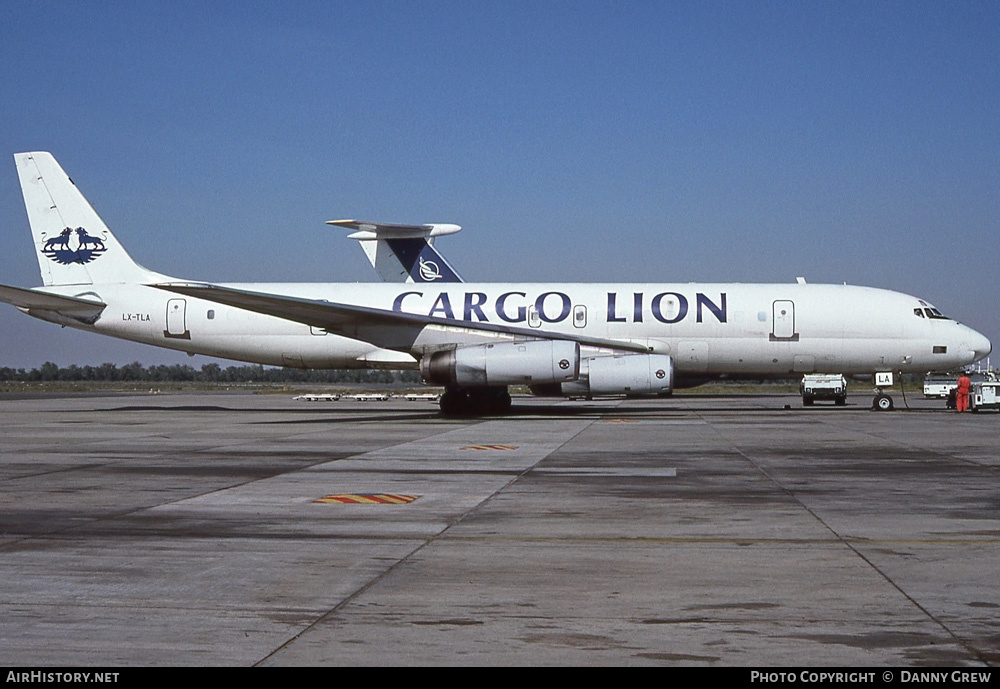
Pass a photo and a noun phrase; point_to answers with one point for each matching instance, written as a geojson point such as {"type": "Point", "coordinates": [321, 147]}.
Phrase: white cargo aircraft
{"type": "Point", "coordinates": [476, 339]}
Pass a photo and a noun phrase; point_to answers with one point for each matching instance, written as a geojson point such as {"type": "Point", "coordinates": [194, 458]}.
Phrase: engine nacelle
{"type": "Point", "coordinates": [631, 374]}
{"type": "Point", "coordinates": [504, 363]}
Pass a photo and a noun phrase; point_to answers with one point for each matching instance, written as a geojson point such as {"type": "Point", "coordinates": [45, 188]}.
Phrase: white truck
{"type": "Point", "coordinates": [984, 395]}
{"type": "Point", "coordinates": [823, 386]}
{"type": "Point", "coordinates": [939, 385]}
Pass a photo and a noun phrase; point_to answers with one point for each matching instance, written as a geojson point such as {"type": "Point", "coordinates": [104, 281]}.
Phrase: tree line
{"type": "Point", "coordinates": [208, 373]}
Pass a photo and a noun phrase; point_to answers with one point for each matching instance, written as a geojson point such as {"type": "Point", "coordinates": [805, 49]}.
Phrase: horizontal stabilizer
{"type": "Point", "coordinates": [45, 301]}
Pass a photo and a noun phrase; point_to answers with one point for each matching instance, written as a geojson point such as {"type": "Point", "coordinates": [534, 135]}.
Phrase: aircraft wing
{"type": "Point", "coordinates": [395, 330]}
{"type": "Point", "coordinates": [46, 301]}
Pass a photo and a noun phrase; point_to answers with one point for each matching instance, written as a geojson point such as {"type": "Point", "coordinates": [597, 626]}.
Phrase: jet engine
{"type": "Point", "coordinates": [630, 374]}
{"type": "Point", "coordinates": [504, 363]}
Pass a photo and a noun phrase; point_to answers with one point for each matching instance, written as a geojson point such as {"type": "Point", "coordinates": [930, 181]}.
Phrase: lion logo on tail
{"type": "Point", "coordinates": [65, 248]}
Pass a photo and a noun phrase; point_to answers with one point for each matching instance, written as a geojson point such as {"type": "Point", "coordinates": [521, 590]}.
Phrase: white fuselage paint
{"type": "Point", "coordinates": [727, 328]}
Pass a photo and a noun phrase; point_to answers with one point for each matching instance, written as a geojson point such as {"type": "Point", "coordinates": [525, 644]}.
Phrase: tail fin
{"type": "Point", "coordinates": [403, 253]}
{"type": "Point", "coordinates": [72, 243]}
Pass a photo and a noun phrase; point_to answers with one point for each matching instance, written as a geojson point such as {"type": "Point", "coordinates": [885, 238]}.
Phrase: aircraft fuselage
{"type": "Point", "coordinates": [711, 329]}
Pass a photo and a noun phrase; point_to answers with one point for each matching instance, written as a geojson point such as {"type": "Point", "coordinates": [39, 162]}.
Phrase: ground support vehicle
{"type": "Point", "coordinates": [823, 386]}
{"type": "Point", "coordinates": [984, 395]}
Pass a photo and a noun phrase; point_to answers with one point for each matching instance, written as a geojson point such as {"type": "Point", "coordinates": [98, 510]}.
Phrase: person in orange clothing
{"type": "Point", "coordinates": [962, 393]}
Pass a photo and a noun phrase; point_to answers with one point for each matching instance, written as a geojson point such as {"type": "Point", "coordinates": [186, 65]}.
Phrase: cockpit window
{"type": "Point", "coordinates": [918, 312]}
{"type": "Point", "coordinates": [934, 313]}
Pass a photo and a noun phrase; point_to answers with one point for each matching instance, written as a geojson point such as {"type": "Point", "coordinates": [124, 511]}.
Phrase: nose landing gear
{"type": "Point", "coordinates": [882, 401]}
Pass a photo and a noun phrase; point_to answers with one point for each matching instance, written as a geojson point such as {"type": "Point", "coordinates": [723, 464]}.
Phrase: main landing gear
{"type": "Point", "coordinates": [484, 401]}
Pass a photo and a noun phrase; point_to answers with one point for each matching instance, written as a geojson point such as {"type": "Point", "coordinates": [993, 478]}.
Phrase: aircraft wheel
{"type": "Point", "coordinates": [475, 401]}
{"type": "Point", "coordinates": [489, 401]}
{"type": "Point", "coordinates": [454, 402]}
{"type": "Point", "coordinates": [882, 403]}
{"type": "Point", "coordinates": [501, 403]}
{"type": "Point", "coordinates": [480, 402]}
{"type": "Point", "coordinates": [807, 401]}
{"type": "Point", "coordinates": [840, 401]}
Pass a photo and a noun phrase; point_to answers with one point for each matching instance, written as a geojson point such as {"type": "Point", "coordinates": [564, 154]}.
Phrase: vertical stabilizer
{"type": "Point", "coordinates": [413, 259]}
{"type": "Point", "coordinates": [72, 243]}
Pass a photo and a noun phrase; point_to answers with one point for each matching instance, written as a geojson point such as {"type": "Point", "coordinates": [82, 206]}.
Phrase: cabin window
{"type": "Point", "coordinates": [940, 350]}
{"type": "Point", "coordinates": [211, 314]}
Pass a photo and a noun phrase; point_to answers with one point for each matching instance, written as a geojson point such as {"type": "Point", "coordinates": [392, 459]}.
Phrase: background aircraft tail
{"type": "Point", "coordinates": [403, 253]}
{"type": "Point", "coordinates": [72, 243]}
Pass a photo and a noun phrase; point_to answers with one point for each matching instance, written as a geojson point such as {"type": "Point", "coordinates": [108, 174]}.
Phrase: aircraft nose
{"type": "Point", "coordinates": [981, 345]}
{"type": "Point", "coordinates": [974, 345]}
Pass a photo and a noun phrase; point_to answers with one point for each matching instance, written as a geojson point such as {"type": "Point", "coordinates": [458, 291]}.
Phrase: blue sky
{"type": "Point", "coordinates": [573, 141]}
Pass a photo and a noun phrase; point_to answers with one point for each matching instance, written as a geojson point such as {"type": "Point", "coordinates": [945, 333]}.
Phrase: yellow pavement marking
{"type": "Point", "coordinates": [367, 499]}
{"type": "Point", "coordinates": [490, 447]}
